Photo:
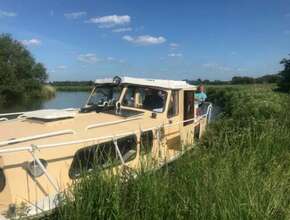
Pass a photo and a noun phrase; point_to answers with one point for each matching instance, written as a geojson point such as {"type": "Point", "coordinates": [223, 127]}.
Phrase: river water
{"type": "Point", "coordinates": [60, 101]}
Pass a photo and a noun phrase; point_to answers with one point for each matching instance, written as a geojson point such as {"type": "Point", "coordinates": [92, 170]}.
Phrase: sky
{"type": "Point", "coordinates": [167, 39]}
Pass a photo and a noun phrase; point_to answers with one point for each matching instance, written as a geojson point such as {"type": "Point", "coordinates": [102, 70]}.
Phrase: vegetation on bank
{"type": "Point", "coordinates": [47, 92]}
{"type": "Point", "coordinates": [72, 85]}
{"type": "Point", "coordinates": [73, 88]}
{"type": "Point", "coordinates": [21, 77]}
{"type": "Point", "coordinates": [239, 170]}
{"type": "Point", "coordinates": [284, 83]}
{"type": "Point", "coordinates": [282, 79]}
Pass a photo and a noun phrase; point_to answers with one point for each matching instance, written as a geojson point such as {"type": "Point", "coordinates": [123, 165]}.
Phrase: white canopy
{"type": "Point", "coordinates": [168, 84]}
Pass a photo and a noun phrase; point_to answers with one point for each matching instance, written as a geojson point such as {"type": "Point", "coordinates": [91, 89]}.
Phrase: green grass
{"type": "Point", "coordinates": [239, 170]}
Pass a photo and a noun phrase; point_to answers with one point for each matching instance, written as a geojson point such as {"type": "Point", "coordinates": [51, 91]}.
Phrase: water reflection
{"type": "Point", "coordinates": [60, 101]}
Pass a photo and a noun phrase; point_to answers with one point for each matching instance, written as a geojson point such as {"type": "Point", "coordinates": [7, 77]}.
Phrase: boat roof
{"type": "Point", "coordinates": [160, 83]}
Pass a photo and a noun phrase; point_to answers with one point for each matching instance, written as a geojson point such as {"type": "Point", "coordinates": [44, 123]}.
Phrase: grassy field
{"type": "Point", "coordinates": [239, 170]}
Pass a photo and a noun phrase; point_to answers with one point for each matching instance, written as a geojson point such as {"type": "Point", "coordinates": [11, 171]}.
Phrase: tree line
{"type": "Point", "coordinates": [21, 76]}
{"type": "Point", "coordinates": [282, 79]}
{"type": "Point", "coordinates": [71, 83]}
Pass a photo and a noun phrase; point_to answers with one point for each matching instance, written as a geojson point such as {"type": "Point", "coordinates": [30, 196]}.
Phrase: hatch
{"type": "Point", "coordinates": [50, 114]}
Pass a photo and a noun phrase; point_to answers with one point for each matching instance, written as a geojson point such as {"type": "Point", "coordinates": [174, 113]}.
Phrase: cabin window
{"type": "Point", "coordinates": [146, 142]}
{"type": "Point", "coordinates": [145, 98]}
{"type": "Point", "coordinates": [105, 94]}
{"type": "Point", "coordinates": [103, 156]}
{"type": "Point", "coordinates": [173, 104]}
{"type": "Point", "coordinates": [188, 114]}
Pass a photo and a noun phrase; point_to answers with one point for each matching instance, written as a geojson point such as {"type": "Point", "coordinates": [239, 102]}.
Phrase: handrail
{"type": "Point", "coordinates": [30, 138]}
{"type": "Point", "coordinates": [208, 112]}
{"type": "Point", "coordinates": [44, 146]}
{"type": "Point", "coordinates": [111, 122]}
{"type": "Point", "coordinates": [11, 114]}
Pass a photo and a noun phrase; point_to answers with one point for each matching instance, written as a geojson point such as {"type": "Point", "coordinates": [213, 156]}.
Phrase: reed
{"type": "Point", "coordinates": [239, 170]}
{"type": "Point", "coordinates": [47, 92]}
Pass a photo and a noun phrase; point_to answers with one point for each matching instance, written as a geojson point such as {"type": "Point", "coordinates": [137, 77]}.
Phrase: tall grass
{"type": "Point", "coordinates": [239, 170]}
{"type": "Point", "coordinates": [47, 92]}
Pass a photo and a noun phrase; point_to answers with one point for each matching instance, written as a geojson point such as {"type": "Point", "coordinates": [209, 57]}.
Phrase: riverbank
{"type": "Point", "coordinates": [85, 88]}
{"type": "Point", "coordinates": [45, 92]}
{"type": "Point", "coordinates": [239, 170]}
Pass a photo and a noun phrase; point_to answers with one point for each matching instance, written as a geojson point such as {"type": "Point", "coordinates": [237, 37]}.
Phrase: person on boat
{"type": "Point", "coordinates": [199, 99]}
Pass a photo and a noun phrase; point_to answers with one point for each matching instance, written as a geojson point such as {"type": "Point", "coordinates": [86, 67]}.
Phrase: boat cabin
{"type": "Point", "coordinates": [125, 123]}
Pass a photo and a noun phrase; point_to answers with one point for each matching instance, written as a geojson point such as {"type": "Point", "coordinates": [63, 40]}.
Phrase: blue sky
{"type": "Point", "coordinates": [88, 39]}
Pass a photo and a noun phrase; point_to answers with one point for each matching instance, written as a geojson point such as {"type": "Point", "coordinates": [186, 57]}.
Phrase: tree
{"type": "Point", "coordinates": [20, 75]}
{"type": "Point", "coordinates": [242, 80]}
{"type": "Point", "coordinates": [284, 84]}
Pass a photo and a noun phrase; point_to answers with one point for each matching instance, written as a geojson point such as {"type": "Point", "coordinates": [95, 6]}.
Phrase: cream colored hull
{"type": "Point", "coordinates": [66, 138]}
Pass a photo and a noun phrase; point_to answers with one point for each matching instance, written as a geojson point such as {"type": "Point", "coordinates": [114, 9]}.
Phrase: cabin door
{"type": "Point", "coordinates": [188, 117]}
{"type": "Point", "coordinates": [172, 131]}
{"type": "Point", "coordinates": [188, 114]}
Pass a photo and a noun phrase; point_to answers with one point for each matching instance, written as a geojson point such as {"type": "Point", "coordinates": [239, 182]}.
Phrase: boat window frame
{"type": "Point", "coordinates": [176, 104]}
{"type": "Point", "coordinates": [124, 92]}
{"type": "Point", "coordinates": [190, 103]}
{"type": "Point", "coordinates": [122, 87]}
{"type": "Point", "coordinates": [89, 166]}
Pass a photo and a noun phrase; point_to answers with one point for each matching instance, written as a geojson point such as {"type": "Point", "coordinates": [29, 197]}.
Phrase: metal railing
{"type": "Point", "coordinates": [33, 148]}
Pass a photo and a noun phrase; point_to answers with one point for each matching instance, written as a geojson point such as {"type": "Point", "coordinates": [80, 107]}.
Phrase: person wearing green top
{"type": "Point", "coordinates": [199, 98]}
{"type": "Point", "coordinates": [200, 95]}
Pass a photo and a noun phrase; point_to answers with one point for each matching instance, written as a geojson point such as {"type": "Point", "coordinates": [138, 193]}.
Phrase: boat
{"type": "Point", "coordinates": [124, 123]}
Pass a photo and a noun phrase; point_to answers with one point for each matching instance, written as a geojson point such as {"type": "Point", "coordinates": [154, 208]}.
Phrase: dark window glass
{"type": "Point", "coordinates": [173, 104]}
{"type": "Point", "coordinates": [2, 180]}
{"type": "Point", "coordinates": [188, 113]}
{"type": "Point", "coordinates": [103, 155]}
{"type": "Point", "coordinates": [128, 147]}
{"type": "Point", "coordinates": [146, 142]}
{"type": "Point", "coordinates": [108, 94]}
{"type": "Point", "coordinates": [145, 98]}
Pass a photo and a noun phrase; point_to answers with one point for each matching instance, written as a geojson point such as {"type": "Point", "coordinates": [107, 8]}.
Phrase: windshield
{"type": "Point", "coordinates": [145, 98]}
{"type": "Point", "coordinates": [105, 95]}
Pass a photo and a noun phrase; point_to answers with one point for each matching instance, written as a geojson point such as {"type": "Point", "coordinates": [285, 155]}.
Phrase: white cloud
{"type": "Point", "coordinates": [51, 71]}
{"type": "Point", "coordinates": [114, 60]}
{"type": "Point", "coordinates": [88, 58]}
{"type": "Point", "coordinates": [110, 58]}
{"type": "Point", "coordinates": [31, 42]}
{"type": "Point", "coordinates": [175, 55]}
{"type": "Point", "coordinates": [173, 45]}
{"type": "Point", "coordinates": [145, 40]}
{"type": "Point", "coordinates": [61, 67]}
{"type": "Point", "coordinates": [75, 15]}
{"type": "Point", "coordinates": [110, 20]}
{"type": "Point", "coordinates": [7, 14]}
{"type": "Point", "coordinates": [118, 30]}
